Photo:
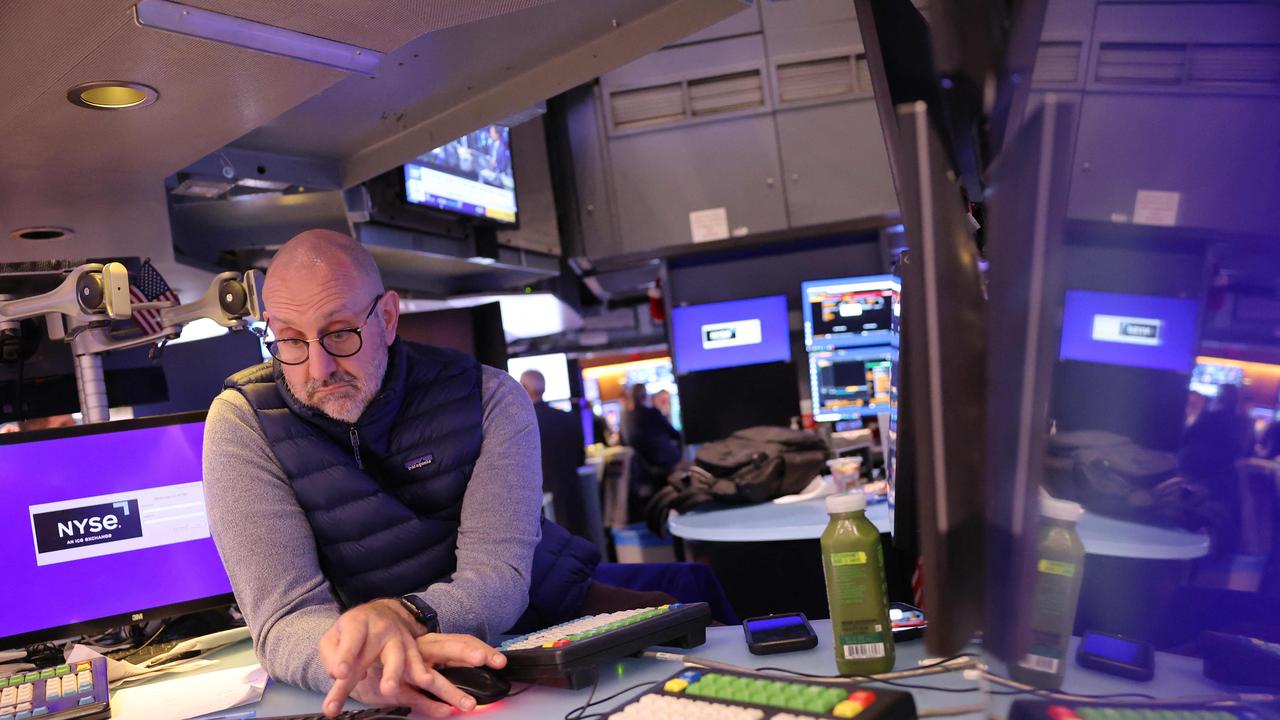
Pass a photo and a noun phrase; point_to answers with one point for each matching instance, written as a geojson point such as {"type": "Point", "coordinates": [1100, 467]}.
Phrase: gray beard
{"type": "Point", "coordinates": [346, 407]}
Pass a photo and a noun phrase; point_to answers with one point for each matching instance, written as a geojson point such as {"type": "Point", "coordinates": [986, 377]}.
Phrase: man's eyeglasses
{"type": "Point", "coordinates": [343, 342]}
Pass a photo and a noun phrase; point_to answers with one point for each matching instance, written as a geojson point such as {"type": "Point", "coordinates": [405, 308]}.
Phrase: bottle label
{"type": "Point", "coordinates": [1055, 567]}
{"type": "Point", "coordinates": [865, 645]}
{"type": "Point", "coordinates": [856, 557]}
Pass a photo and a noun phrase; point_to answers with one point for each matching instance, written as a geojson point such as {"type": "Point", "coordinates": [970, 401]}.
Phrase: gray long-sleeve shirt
{"type": "Point", "coordinates": [270, 554]}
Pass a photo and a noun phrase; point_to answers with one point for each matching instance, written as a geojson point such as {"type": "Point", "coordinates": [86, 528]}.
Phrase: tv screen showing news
{"type": "Point", "coordinates": [730, 334]}
{"type": "Point", "coordinates": [1145, 331]}
{"type": "Point", "coordinates": [554, 369]}
{"type": "Point", "coordinates": [471, 175]}
{"type": "Point", "coordinates": [847, 312]}
{"type": "Point", "coordinates": [100, 523]}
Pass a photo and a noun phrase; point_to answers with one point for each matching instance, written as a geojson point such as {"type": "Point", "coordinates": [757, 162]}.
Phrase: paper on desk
{"type": "Point", "coordinates": [192, 696]}
{"type": "Point", "coordinates": [119, 671]}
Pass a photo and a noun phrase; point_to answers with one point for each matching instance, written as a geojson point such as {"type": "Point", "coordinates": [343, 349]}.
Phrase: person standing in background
{"type": "Point", "coordinates": [563, 452]}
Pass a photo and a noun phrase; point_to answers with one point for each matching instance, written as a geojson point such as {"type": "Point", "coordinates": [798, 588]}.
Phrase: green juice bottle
{"type": "Point", "coordinates": [1059, 572]}
{"type": "Point", "coordinates": [853, 564]}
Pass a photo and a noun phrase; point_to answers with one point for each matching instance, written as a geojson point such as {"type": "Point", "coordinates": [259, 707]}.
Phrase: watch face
{"type": "Point", "coordinates": [421, 611]}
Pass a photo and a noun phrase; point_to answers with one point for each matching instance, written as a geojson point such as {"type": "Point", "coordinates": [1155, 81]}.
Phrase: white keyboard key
{"type": "Point", "coordinates": [52, 689]}
{"type": "Point", "coordinates": [25, 692]}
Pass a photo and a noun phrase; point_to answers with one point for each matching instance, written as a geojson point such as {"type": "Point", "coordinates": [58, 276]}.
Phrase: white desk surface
{"type": "Point", "coordinates": [806, 521]}
{"type": "Point", "coordinates": [1176, 676]}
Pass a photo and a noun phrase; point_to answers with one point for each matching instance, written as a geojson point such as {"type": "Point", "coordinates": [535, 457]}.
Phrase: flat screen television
{"type": "Point", "coordinates": [730, 334]}
{"type": "Point", "coordinates": [471, 176]}
{"type": "Point", "coordinates": [847, 312]}
{"type": "Point", "coordinates": [1145, 331]}
{"type": "Point", "coordinates": [554, 368]}
{"type": "Point", "coordinates": [104, 525]}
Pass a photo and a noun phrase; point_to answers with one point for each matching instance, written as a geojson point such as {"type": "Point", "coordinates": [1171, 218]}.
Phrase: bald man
{"type": "Point", "coordinates": [563, 452]}
{"type": "Point", "coordinates": [376, 502]}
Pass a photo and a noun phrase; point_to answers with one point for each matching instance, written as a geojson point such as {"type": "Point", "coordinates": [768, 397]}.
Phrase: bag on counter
{"type": "Point", "coordinates": [750, 466]}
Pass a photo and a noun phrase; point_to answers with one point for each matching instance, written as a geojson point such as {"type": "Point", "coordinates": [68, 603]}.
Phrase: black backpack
{"type": "Point", "coordinates": [750, 466]}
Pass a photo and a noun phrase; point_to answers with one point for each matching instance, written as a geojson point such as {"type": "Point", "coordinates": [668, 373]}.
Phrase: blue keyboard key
{"type": "Point", "coordinates": [86, 700]}
{"type": "Point", "coordinates": [37, 712]}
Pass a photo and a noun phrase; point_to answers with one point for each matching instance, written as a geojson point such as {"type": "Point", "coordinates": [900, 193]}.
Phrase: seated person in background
{"type": "Point", "coordinates": [369, 495]}
{"type": "Point", "coordinates": [563, 452]}
{"type": "Point", "coordinates": [656, 442]}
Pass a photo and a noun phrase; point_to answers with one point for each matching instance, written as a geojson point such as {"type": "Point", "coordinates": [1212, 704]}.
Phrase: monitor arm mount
{"type": "Point", "coordinates": [80, 310]}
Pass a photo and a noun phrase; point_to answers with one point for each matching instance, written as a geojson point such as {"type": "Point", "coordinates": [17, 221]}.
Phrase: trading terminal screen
{"type": "Point", "coordinates": [849, 312]}
{"type": "Point", "coordinates": [104, 524]}
{"type": "Point", "coordinates": [846, 384]}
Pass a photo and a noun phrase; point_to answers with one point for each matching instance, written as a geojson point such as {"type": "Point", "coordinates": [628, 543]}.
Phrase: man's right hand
{"type": "Point", "coordinates": [372, 654]}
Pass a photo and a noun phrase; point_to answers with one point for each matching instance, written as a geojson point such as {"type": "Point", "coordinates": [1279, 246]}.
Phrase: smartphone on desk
{"type": "Point", "coordinates": [769, 634]}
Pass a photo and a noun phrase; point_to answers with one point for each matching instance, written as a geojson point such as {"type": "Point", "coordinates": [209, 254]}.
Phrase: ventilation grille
{"type": "Point", "coordinates": [676, 102]}
{"type": "Point", "coordinates": [1251, 64]}
{"type": "Point", "coordinates": [1147, 64]}
{"type": "Point", "coordinates": [1256, 66]}
{"type": "Point", "coordinates": [815, 79]}
{"type": "Point", "coordinates": [1057, 62]}
{"type": "Point", "coordinates": [726, 93]}
{"type": "Point", "coordinates": [644, 107]}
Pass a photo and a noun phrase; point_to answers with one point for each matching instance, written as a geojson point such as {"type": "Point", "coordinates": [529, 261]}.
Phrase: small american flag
{"type": "Point", "coordinates": [150, 287]}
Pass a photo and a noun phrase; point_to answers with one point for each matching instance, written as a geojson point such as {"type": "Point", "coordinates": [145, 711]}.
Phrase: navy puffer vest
{"type": "Point", "coordinates": [384, 497]}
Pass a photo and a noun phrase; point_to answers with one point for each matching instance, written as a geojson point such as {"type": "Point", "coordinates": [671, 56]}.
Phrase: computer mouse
{"type": "Point", "coordinates": [481, 683]}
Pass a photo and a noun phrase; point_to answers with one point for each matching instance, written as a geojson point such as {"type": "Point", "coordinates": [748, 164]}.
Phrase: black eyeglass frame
{"type": "Point", "coordinates": [273, 345]}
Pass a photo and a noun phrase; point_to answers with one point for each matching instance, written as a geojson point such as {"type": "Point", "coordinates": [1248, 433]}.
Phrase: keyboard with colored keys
{"type": "Point", "coordinates": [1054, 710]}
{"type": "Point", "coordinates": [695, 694]}
{"type": "Point", "coordinates": [73, 690]}
{"type": "Point", "coordinates": [569, 654]}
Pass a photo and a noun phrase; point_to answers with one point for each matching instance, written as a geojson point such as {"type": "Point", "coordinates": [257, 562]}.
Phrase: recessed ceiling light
{"type": "Point", "coordinates": [41, 233]}
{"type": "Point", "coordinates": [112, 95]}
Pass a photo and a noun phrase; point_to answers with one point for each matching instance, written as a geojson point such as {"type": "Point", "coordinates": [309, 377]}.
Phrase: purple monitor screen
{"type": "Point", "coordinates": [104, 524]}
{"type": "Point", "coordinates": [729, 334]}
{"type": "Point", "coordinates": [1134, 330]}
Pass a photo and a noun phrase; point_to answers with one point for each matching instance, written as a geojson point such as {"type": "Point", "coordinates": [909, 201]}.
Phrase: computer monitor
{"type": "Point", "coordinates": [730, 334]}
{"type": "Point", "coordinates": [554, 368]}
{"type": "Point", "coordinates": [104, 525]}
{"type": "Point", "coordinates": [942, 411]}
{"type": "Point", "coordinates": [1147, 331]}
{"type": "Point", "coordinates": [853, 311]}
{"type": "Point", "coordinates": [1026, 208]}
{"type": "Point", "coordinates": [851, 382]}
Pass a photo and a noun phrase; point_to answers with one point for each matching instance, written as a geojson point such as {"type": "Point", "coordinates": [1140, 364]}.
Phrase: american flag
{"type": "Point", "coordinates": [150, 287]}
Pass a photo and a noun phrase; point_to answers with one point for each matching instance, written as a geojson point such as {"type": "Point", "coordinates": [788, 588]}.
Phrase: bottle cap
{"type": "Point", "coordinates": [846, 502]}
{"type": "Point", "coordinates": [1065, 510]}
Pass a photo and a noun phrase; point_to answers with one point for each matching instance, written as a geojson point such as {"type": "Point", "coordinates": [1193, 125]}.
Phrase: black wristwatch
{"type": "Point", "coordinates": [422, 612]}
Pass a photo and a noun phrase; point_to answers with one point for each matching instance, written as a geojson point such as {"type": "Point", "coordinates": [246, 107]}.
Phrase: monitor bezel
{"type": "Point", "coordinates": [96, 625]}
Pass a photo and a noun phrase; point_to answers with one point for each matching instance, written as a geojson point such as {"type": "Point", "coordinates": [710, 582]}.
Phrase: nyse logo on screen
{"type": "Point", "coordinates": [731, 334]}
{"type": "Point", "coordinates": [87, 525]}
{"type": "Point", "coordinates": [1127, 330]}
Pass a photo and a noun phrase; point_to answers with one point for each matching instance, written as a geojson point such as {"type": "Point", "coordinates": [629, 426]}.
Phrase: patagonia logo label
{"type": "Point", "coordinates": [420, 462]}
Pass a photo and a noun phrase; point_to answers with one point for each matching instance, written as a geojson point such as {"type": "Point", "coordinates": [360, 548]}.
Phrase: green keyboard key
{"type": "Point", "coordinates": [46, 673]}
{"type": "Point", "coordinates": [62, 670]}
{"type": "Point", "coordinates": [31, 677]}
